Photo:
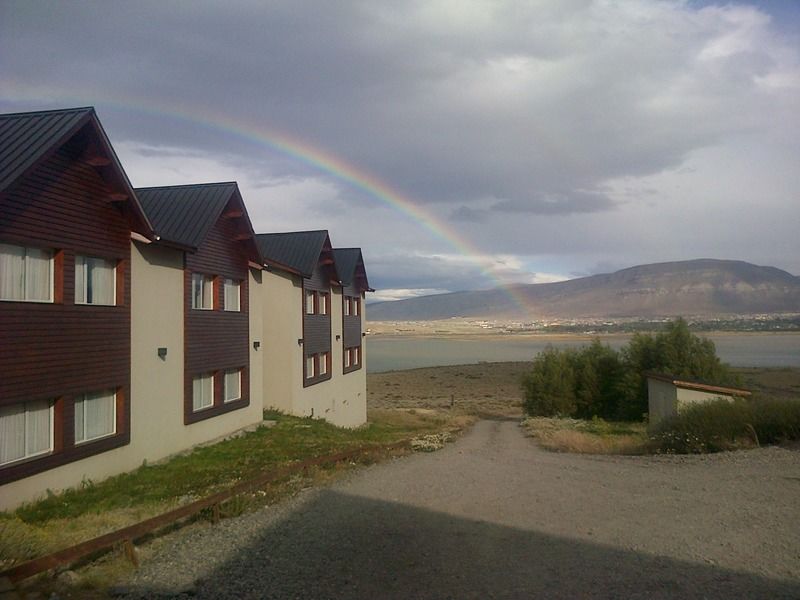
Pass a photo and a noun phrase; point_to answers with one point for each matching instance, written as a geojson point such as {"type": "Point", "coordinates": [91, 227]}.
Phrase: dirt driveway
{"type": "Point", "coordinates": [492, 516]}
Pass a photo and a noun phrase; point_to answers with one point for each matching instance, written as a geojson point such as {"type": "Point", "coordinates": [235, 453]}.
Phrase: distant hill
{"type": "Point", "coordinates": [695, 287]}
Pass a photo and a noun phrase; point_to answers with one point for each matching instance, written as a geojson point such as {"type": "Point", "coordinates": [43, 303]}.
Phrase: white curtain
{"type": "Point", "coordinates": [12, 433]}
{"type": "Point", "coordinates": [38, 432]}
{"type": "Point", "coordinates": [232, 385]}
{"type": "Point", "coordinates": [202, 392]}
{"type": "Point", "coordinates": [37, 275]}
{"type": "Point", "coordinates": [12, 272]}
{"type": "Point", "coordinates": [102, 281]}
{"type": "Point", "coordinates": [231, 295]}
{"type": "Point", "coordinates": [95, 416]}
{"type": "Point", "coordinates": [80, 280]}
{"type": "Point", "coordinates": [310, 366]}
{"type": "Point", "coordinates": [25, 430]}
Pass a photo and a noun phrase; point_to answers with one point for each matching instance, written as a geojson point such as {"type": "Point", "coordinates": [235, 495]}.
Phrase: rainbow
{"type": "Point", "coordinates": [300, 150]}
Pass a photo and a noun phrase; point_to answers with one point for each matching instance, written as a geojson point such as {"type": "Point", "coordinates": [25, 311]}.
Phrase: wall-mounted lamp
{"type": "Point", "coordinates": [256, 345]}
{"type": "Point", "coordinates": [363, 334]}
{"type": "Point", "coordinates": [338, 337]}
{"type": "Point", "coordinates": [299, 341]}
{"type": "Point", "coordinates": [162, 353]}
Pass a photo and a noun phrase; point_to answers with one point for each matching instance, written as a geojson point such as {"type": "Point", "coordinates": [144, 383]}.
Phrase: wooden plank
{"type": "Point", "coordinates": [138, 530]}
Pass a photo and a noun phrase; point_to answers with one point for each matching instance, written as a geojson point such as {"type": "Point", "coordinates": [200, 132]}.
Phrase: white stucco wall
{"type": "Point", "coordinates": [661, 400]}
{"type": "Point", "coordinates": [341, 400]}
{"type": "Point", "coordinates": [156, 425]}
{"type": "Point", "coordinates": [688, 397]}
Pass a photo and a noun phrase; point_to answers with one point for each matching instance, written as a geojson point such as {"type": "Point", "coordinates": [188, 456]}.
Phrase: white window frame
{"type": "Point", "coordinates": [80, 262]}
{"type": "Point", "coordinates": [204, 406]}
{"type": "Point", "coordinates": [356, 307]}
{"type": "Point", "coordinates": [311, 302]}
{"type": "Point", "coordinates": [238, 373]}
{"type": "Point", "coordinates": [347, 308]}
{"type": "Point", "coordinates": [81, 400]}
{"type": "Point", "coordinates": [322, 364]}
{"type": "Point", "coordinates": [204, 281]}
{"type": "Point", "coordinates": [51, 269]}
{"type": "Point", "coordinates": [311, 361]}
{"type": "Point", "coordinates": [347, 358]}
{"type": "Point", "coordinates": [323, 300]}
{"type": "Point", "coordinates": [51, 437]}
{"type": "Point", "coordinates": [356, 361]}
{"type": "Point", "coordinates": [228, 284]}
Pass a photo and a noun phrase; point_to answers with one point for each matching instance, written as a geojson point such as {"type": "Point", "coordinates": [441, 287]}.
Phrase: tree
{"type": "Point", "coordinates": [675, 351]}
{"type": "Point", "coordinates": [550, 386]}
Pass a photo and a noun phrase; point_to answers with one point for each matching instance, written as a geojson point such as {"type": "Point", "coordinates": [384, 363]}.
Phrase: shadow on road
{"type": "Point", "coordinates": [342, 546]}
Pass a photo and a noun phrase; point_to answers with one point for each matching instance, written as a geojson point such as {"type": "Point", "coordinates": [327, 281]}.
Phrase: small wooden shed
{"type": "Point", "coordinates": [667, 395]}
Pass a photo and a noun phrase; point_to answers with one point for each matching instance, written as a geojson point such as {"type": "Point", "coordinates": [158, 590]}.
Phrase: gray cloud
{"type": "Point", "coordinates": [582, 122]}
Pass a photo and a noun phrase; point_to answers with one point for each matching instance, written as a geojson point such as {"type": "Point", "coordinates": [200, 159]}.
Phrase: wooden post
{"type": "Point", "coordinates": [215, 514]}
{"type": "Point", "coordinates": [129, 550]}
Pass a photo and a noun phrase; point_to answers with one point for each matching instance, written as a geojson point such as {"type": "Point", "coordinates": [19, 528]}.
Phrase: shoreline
{"type": "Point", "coordinates": [493, 335]}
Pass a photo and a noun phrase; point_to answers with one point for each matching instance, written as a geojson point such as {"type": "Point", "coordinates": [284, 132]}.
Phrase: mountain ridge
{"type": "Point", "coordinates": [703, 286]}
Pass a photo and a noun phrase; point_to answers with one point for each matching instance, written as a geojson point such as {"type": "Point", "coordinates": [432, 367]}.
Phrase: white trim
{"type": "Point", "coordinates": [82, 400]}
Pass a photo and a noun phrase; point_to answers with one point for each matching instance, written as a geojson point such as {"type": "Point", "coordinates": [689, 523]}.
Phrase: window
{"type": "Point", "coordinates": [323, 364]}
{"type": "Point", "coordinates": [323, 304]}
{"type": "Point", "coordinates": [233, 385]}
{"type": "Point", "coordinates": [202, 292]}
{"type": "Point", "coordinates": [95, 281]}
{"type": "Point", "coordinates": [317, 365]}
{"type": "Point", "coordinates": [352, 358]}
{"type": "Point", "coordinates": [95, 416]}
{"type": "Point", "coordinates": [311, 362]}
{"type": "Point", "coordinates": [202, 392]}
{"type": "Point", "coordinates": [26, 430]}
{"type": "Point", "coordinates": [26, 274]}
{"type": "Point", "coordinates": [356, 307]}
{"type": "Point", "coordinates": [347, 301]}
{"type": "Point", "coordinates": [311, 303]}
{"type": "Point", "coordinates": [232, 295]}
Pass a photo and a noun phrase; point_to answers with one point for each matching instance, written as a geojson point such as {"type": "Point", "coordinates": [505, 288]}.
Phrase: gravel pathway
{"type": "Point", "coordinates": [492, 516]}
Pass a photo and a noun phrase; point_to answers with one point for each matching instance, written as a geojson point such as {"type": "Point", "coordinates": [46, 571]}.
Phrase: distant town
{"type": "Point", "coordinates": [789, 322]}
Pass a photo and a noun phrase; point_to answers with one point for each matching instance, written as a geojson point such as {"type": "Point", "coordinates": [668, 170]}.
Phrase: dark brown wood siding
{"type": "Point", "coordinates": [351, 324]}
{"type": "Point", "coordinates": [217, 339]}
{"type": "Point", "coordinates": [58, 350]}
{"type": "Point", "coordinates": [317, 328]}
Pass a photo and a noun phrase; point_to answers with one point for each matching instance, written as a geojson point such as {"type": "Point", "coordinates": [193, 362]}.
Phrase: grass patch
{"type": "Point", "coordinates": [594, 436]}
{"type": "Point", "coordinates": [722, 425]}
{"type": "Point", "coordinates": [92, 509]}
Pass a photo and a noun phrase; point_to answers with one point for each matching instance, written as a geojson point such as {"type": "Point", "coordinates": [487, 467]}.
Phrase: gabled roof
{"type": "Point", "coordinates": [27, 139]}
{"type": "Point", "coordinates": [350, 266]}
{"type": "Point", "coordinates": [697, 385]}
{"type": "Point", "coordinates": [298, 251]}
{"type": "Point", "coordinates": [184, 214]}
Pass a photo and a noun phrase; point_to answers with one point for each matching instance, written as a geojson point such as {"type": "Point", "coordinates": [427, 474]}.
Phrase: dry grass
{"type": "Point", "coordinates": [588, 437]}
{"type": "Point", "coordinates": [485, 389]}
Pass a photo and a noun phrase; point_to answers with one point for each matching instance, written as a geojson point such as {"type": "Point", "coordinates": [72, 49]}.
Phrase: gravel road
{"type": "Point", "coordinates": [492, 516]}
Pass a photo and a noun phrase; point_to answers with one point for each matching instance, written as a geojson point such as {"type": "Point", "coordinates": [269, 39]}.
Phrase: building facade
{"type": "Point", "coordinates": [136, 324]}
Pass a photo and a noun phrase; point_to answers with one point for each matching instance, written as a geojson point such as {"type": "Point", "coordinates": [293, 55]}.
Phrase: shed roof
{"type": "Point", "coordinates": [27, 139]}
{"type": "Point", "coordinates": [297, 251]}
{"type": "Point", "coordinates": [350, 266]}
{"type": "Point", "coordinates": [697, 385]}
{"type": "Point", "coordinates": [184, 214]}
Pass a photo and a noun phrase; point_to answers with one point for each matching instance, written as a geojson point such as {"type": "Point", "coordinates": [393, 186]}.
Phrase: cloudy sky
{"type": "Point", "coordinates": [460, 143]}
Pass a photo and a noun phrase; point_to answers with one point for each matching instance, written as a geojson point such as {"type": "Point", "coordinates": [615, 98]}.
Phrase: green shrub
{"type": "Point", "coordinates": [723, 425]}
{"type": "Point", "coordinates": [599, 381]}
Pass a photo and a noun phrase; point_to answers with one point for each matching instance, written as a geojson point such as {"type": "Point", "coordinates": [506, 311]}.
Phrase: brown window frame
{"type": "Point", "coordinates": [65, 449]}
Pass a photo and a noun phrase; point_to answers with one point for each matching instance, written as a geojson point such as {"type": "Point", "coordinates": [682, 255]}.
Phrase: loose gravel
{"type": "Point", "coordinates": [493, 516]}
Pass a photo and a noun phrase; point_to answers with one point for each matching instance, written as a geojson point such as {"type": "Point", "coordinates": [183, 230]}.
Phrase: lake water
{"type": "Point", "coordinates": [398, 353]}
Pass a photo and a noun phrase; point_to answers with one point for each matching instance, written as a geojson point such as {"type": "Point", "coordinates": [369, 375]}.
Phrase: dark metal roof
{"type": "Point", "coordinates": [350, 266]}
{"type": "Point", "coordinates": [298, 250]}
{"type": "Point", "coordinates": [27, 137]}
{"type": "Point", "coordinates": [184, 214]}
